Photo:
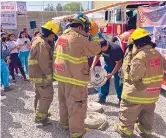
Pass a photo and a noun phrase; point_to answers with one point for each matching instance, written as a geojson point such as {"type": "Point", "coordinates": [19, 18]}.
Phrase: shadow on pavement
{"type": "Point", "coordinates": [55, 130]}
{"type": "Point", "coordinates": [159, 125]}
{"type": "Point", "coordinates": [95, 134]}
{"type": "Point", "coordinates": [7, 123]}
{"type": "Point", "coordinates": [92, 91]}
{"type": "Point", "coordinates": [13, 104]}
{"type": "Point", "coordinates": [111, 104]}
{"type": "Point", "coordinates": [112, 113]}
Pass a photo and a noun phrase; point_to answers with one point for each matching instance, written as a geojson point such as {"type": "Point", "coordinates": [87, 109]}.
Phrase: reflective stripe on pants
{"type": "Point", "coordinates": [32, 62]}
{"type": "Point", "coordinates": [41, 80]}
{"type": "Point", "coordinates": [70, 80]}
{"type": "Point", "coordinates": [139, 100]}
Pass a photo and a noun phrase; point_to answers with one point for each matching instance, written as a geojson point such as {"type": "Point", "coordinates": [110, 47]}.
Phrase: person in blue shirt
{"type": "Point", "coordinates": [113, 57]}
{"type": "Point", "coordinates": [5, 59]}
{"type": "Point", "coordinates": [100, 35]}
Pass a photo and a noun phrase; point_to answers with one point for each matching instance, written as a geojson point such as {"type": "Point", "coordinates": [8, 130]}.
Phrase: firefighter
{"type": "Point", "coordinates": [40, 71]}
{"type": "Point", "coordinates": [72, 73]}
{"type": "Point", "coordinates": [143, 72]}
{"type": "Point", "coordinates": [113, 56]}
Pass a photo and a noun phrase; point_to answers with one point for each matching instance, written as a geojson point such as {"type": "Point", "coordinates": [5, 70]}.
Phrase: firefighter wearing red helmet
{"type": "Point", "coordinates": [142, 73]}
{"type": "Point", "coordinates": [71, 70]}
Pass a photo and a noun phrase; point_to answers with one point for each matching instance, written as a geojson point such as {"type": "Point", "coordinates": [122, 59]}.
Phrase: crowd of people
{"type": "Point", "coordinates": [69, 61]}
{"type": "Point", "coordinates": [14, 55]}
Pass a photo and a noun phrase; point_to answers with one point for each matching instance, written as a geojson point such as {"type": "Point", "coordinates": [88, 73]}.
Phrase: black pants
{"type": "Point", "coordinates": [16, 61]}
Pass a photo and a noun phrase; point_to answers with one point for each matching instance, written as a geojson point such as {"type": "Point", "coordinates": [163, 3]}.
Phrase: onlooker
{"type": "Point", "coordinates": [2, 29]}
{"type": "Point", "coordinates": [27, 34]}
{"type": "Point", "coordinates": [15, 68]}
{"type": "Point", "coordinates": [14, 57]}
{"type": "Point", "coordinates": [24, 44]}
{"type": "Point", "coordinates": [4, 67]}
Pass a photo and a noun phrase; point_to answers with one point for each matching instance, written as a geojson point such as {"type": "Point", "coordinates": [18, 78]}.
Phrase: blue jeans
{"type": "Point", "coordinates": [24, 60]}
{"type": "Point", "coordinates": [4, 73]}
{"type": "Point", "coordinates": [104, 90]}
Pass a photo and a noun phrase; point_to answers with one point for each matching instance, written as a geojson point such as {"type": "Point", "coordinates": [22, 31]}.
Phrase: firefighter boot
{"type": "Point", "coordinates": [142, 132]}
{"type": "Point", "coordinates": [43, 119]}
{"type": "Point", "coordinates": [64, 126]}
{"type": "Point", "coordinates": [121, 133]}
{"type": "Point", "coordinates": [79, 135]}
{"type": "Point", "coordinates": [49, 113]}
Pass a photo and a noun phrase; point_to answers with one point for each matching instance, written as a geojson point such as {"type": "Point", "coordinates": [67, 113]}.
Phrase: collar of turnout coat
{"type": "Point", "coordinates": [76, 30]}
{"type": "Point", "coordinates": [136, 50]}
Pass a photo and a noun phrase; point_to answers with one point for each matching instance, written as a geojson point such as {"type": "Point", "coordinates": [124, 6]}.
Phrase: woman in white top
{"type": "Point", "coordinates": [12, 45]}
{"type": "Point", "coordinates": [24, 44]}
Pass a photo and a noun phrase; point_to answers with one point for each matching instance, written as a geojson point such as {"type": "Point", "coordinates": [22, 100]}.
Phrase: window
{"type": "Point", "coordinates": [118, 15]}
{"type": "Point", "coordinates": [111, 16]}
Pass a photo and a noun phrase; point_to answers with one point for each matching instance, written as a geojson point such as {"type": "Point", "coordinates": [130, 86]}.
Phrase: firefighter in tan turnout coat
{"type": "Point", "coordinates": [40, 71]}
{"type": "Point", "coordinates": [72, 73]}
{"type": "Point", "coordinates": [143, 72]}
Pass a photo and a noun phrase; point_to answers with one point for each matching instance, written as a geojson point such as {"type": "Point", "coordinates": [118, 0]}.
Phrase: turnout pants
{"type": "Point", "coordinates": [43, 99]}
{"type": "Point", "coordinates": [72, 106]}
{"type": "Point", "coordinates": [130, 113]}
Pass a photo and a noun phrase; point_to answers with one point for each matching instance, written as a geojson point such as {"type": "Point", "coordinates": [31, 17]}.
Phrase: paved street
{"type": "Point", "coordinates": [18, 116]}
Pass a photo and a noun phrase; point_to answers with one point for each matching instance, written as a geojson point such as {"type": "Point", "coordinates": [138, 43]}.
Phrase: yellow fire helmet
{"type": "Point", "coordinates": [139, 33]}
{"type": "Point", "coordinates": [51, 26]}
{"type": "Point", "coordinates": [93, 28]}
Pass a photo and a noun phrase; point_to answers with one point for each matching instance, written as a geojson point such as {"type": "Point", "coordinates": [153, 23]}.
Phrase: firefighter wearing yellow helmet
{"type": "Point", "coordinates": [40, 71]}
{"type": "Point", "coordinates": [143, 73]}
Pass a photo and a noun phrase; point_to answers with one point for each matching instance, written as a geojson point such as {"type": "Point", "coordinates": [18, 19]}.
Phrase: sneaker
{"type": "Point", "coordinates": [3, 97]}
{"type": "Point", "coordinates": [119, 101]}
{"type": "Point", "coordinates": [6, 89]}
{"type": "Point", "coordinates": [26, 79]}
